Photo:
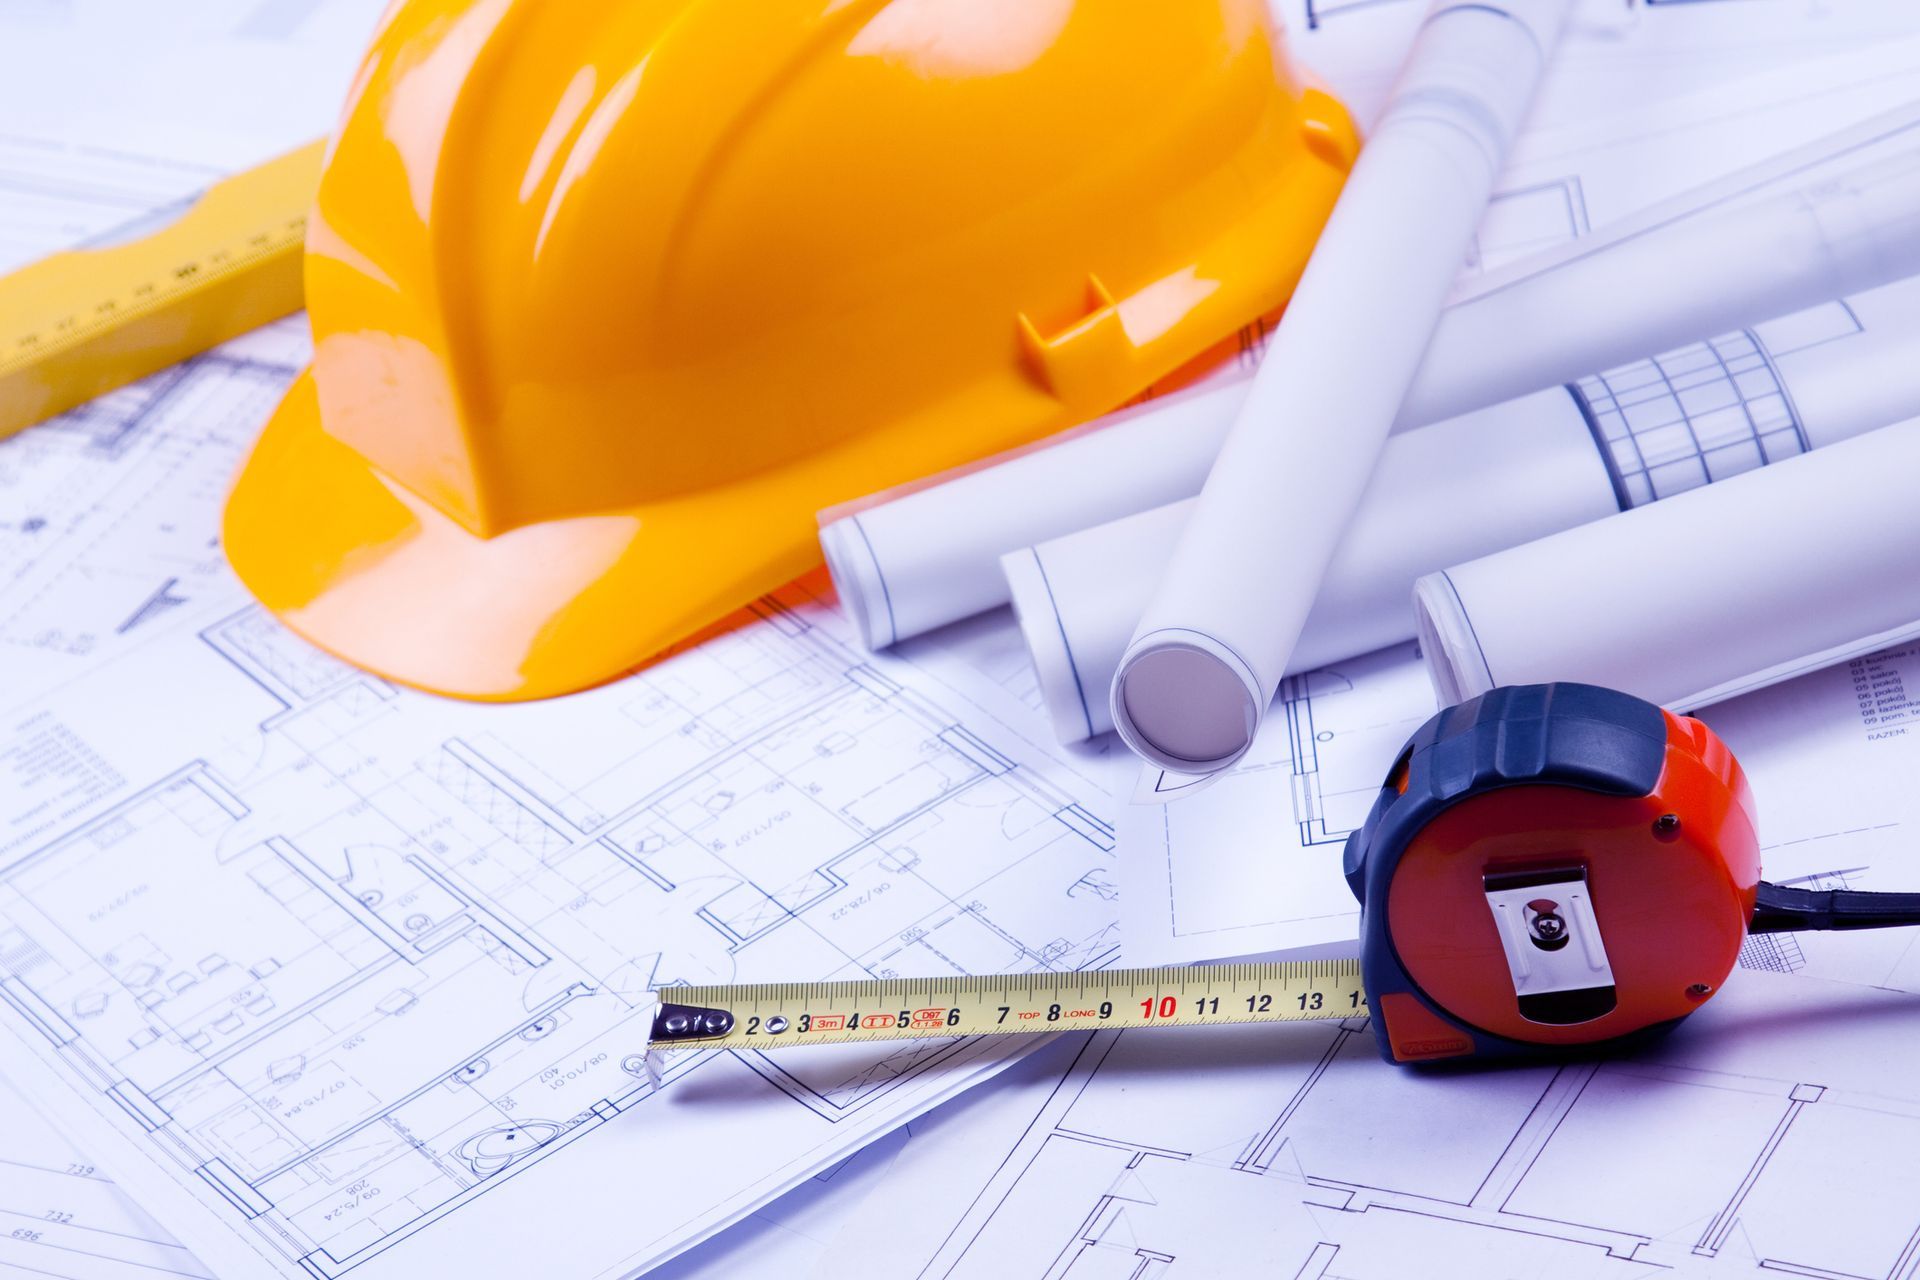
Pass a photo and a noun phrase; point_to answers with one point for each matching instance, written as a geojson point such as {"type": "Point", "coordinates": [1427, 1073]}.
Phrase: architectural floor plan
{"type": "Point", "coordinates": [340, 979]}
{"type": "Point", "coordinates": [1765, 1138]}
{"type": "Point", "coordinates": [345, 964]}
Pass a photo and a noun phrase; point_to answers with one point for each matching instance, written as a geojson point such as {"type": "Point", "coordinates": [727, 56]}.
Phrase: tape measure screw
{"type": "Point", "coordinates": [1667, 826]}
{"type": "Point", "coordinates": [1700, 990]}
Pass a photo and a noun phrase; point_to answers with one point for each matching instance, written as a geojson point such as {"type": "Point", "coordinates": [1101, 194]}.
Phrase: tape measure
{"type": "Point", "coordinates": [80, 323]}
{"type": "Point", "coordinates": [750, 1017]}
{"type": "Point", "coordinates": [1546, 869]}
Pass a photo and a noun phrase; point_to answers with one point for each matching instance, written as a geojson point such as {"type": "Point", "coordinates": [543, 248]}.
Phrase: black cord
{"type": "Point", "coordinates": [1778, 909]}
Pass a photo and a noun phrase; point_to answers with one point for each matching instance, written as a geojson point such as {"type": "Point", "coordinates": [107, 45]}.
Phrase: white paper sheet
{"type": "Point", "coordinates": [1771, 1134]}
{"type": "Point", "coordinates": [1835, 217]}
{"type": "Point", "coordinates": [1608, 170]}
{"type": "Point", "coordinates": [217, 84]}
{"type": "Point", "coordinates": [56, 629]}
{"type": "Point", "coordinates": [108, 557]}
{"type": "Point", "coordinates": [1209, 648]}
{"type": "Point", "coordinates": [60, 1216]}
{"type": "Point", "coordinates": [919, 561]}
{"type": "Point", "coordinates": [1251, 866]}
{"type": "Point", "coordinates": [65, 1219]}
{"type": "Point", "coordinates": [787, 1237]}
{"type": "Point", "coordinates": [1614, 51]}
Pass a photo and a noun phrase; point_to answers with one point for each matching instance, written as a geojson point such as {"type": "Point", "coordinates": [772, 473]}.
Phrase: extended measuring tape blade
{"type": "Point", "coordinates": [774, 1014]}
{"type": "Point", "coordinates": [78, 324]}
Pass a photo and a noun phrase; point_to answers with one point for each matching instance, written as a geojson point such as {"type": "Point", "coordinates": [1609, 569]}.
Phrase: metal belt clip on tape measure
{"type": "Point", "coordinates": [1547, 868]}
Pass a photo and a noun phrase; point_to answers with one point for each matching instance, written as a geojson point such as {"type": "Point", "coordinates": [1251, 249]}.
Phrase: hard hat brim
{"type": "Point", "coordinates": [374, 574]}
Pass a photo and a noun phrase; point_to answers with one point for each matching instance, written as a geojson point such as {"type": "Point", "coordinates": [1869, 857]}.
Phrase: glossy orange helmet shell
{"type": "Point", "coordinates": [608, 300]}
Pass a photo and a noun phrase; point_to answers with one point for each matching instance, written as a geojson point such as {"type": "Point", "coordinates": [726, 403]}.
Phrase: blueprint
{"type": "Point", "coordinates": [1770, 1136]}
{"type": "Point", "coordinates": [1252, 864]}
{"type": "Point", "coordinates": [110, 480]}
{"type": "Point", "coordinates": [321, 967]}
{"type": "Point", "coordinates": [785, 1238]}
{"type": "Point", "coordinates": [1614, 52]}
{"type": "Point", "coordinates": [111, 512]}
{"type": "Point", "coordinates": [61, 1217]}
{"type": "Point", "coordinates": [453, 911]}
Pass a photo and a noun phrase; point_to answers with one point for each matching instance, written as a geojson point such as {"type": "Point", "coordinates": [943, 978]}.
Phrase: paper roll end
{"type": "Point", "coordinates": [1455, 662]}
{"type": "Point", "coordinates": [1069, 711]}
{"type": "Point", "coordinates": [1184, 702]}
{"type": "Point", "coordinates": [857, 581]}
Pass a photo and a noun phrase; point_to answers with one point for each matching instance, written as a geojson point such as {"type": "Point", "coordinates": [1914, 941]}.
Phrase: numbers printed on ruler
{"type": "Point", "coordinates": [761, 1016]}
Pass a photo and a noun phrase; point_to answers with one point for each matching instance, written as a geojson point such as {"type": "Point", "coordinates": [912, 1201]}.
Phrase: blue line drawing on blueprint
{"type": "Point", "coordinates": [64, 1219]}
{"type": "Point", "coordinates": [58, 194]}
{"type": "Point", "coordinates": [1741, 400]}
{"type": "Point", "coordinates": [1319, 11]}
{"type": "Point", "coordinates": [109, 513]}
{"type": "Point", "coordinates": [1310, 1157]}
{"type": "Point", "coordinates": [1692, 416]}
{"type": "Point", "coordinates": [118, 508]}
{"type": "Point", "coordinates": [357, 985]}
{"type": "Point", "coordinates": [1344, 723]}
{"type": "Point", "coordinates": [1281, 814]}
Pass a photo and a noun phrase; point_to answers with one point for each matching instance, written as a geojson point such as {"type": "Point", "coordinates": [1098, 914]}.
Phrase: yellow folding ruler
{"type": "Point", "coordinates": [80, 323]}
{"type": "Point", "coordinates": [790, 1013]}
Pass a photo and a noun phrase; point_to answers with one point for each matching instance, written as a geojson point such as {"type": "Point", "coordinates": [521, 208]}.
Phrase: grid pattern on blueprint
{"type": "Point", "coordinates": [1695, 415]}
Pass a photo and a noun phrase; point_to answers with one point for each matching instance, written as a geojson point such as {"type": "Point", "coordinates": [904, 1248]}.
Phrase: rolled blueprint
{"type": "Point", "coordinates": [1832, 218]}
{"type": "Point", "coordinates": [1454, 490]}
{"type": "Point", "coordinates": [1210, 650]}
{"type": "Point", "coordinates": [1480, 483]}
{"type": "Point", "coordinates": [932, 557]}
{"type": "Point", "coordinates": [1718, 591]}
{"type": "Point", "coordinates": [929, 558]}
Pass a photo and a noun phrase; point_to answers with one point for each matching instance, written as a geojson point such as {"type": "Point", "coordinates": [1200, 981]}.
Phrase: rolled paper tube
{"type": "Point", "coordinates": [1715, 592]}
{"type": "Point", "coordinates": [1220, 628]}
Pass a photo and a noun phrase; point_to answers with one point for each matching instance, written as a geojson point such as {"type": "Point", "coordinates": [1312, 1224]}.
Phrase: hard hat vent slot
{"type": "Point", "coordinates": [1077, 362]}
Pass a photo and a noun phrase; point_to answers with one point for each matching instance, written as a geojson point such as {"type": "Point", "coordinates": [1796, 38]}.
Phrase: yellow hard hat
{"type": "Point", "coordinates": [609, 300]}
